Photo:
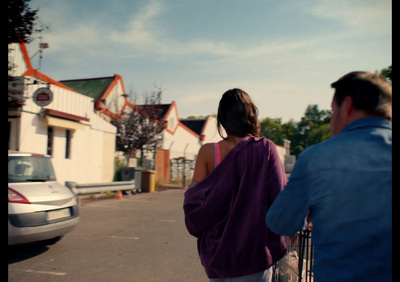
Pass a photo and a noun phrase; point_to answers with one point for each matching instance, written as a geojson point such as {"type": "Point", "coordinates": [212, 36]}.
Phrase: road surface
{"type": "Point", "coordinates": [139, 238]}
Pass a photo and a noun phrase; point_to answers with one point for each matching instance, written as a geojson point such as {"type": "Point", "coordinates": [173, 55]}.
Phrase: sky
{"type": "Point", "coordinates": [283, 53]}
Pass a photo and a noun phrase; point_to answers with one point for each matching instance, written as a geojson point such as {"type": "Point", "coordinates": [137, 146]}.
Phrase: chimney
{"type": "Point", "coordinates": [286, 144]}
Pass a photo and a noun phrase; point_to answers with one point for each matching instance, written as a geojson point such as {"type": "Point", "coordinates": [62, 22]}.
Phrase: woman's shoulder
{"type": "Point", "coordinates": [206, 152]}
{"type": "Point", "coordinates": [204, 162]}
{"type": "Point", "coordinates": [208, 147]}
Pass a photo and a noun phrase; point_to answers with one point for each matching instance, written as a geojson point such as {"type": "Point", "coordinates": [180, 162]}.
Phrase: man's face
{"type": "Point", "coordinates": [337, 120]}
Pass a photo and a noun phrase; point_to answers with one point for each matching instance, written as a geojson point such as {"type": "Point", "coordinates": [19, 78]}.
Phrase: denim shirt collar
{"type": "Point", "coordinates": [368, 122]}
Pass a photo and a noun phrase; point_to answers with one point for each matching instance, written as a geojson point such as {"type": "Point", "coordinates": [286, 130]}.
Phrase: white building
{"type": "Point", "coordinates": [183, 138]}
{"type": "Point", "coordinates": [111, 101]}
{"type": "Point", "coordinates": [75, 127]}
{"type": "Point", "coordinates": [81, 143]}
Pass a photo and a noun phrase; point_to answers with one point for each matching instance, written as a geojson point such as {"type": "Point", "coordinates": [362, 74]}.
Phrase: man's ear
{"type": "Point", "coordinates": [347, 106]}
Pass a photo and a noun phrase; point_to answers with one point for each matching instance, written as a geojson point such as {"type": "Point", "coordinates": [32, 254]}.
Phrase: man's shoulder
{"type": "Point", "coordinates": [325, 146]}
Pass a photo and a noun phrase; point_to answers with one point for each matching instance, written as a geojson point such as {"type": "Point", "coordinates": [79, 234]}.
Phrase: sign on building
{"type": "Point", "coordinates": [42, 97]}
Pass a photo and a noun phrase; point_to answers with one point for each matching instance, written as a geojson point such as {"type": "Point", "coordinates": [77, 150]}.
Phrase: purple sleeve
{"type": "Point", "coordinates": [208, 202]}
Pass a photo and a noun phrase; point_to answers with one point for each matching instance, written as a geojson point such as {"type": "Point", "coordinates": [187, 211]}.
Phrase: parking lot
{"type": "Point", "coordinates": [139, 238]}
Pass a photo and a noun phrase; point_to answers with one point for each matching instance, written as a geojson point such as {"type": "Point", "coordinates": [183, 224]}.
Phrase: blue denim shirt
{"type": "Point", "coordinates": [346, 183]}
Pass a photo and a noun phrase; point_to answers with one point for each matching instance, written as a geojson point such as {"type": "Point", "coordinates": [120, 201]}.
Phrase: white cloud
{"type": "Point", "coordinates": [366, 16]}
{"type": "Point", "coordinates": [280, 71]}
{"type": "Point", "coordinates": [81, 35]}
{"type": "Point", "coordinates": [139, 31]}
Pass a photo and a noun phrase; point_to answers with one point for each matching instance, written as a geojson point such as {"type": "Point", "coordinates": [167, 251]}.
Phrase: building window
{"type": "Point", "coordinates": [67, 144]}
{"type": "Point", "coordinates": [50, 141]}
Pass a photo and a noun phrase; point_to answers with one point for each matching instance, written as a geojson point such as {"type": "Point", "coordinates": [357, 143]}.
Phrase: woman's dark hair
{"type": "Point", "coordinates": [237, 114]}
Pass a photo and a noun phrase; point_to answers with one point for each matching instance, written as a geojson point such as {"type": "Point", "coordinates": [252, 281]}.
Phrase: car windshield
{"type": "Point", "coordinates": [29, 168]}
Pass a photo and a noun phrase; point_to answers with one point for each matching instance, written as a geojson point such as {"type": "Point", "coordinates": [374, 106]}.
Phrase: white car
{"type": "Point", "coordinates": [39, 208]}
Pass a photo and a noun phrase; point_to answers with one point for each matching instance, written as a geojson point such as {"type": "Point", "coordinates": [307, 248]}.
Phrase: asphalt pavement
{"type": "Point", "coordinates": [139, 238]}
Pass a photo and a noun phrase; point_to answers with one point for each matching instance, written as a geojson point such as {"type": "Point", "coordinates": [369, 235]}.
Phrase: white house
{"type": "Point", "coordinates": [81, 143]}
{"type": "Point", "coordinates": [75, 129]}
{"type": "Point", "coordinates": [111, 101]}
{"type": "Point", "coordinates": [183, 138]}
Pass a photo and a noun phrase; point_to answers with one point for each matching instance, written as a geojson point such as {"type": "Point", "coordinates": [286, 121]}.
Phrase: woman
{"type": "Point", "coordinates": [234, 183]}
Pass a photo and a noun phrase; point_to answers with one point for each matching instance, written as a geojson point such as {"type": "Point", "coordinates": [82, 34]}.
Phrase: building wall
{"type": "Point", "coordinates": [32, 133]}
{"type": "Point", "coordinates": [115, 101]}
{"type": "Point", "coordinates": [210, 131]}
{"type": "Point", "coordinates": [92, 151]}
{"type": "Point", "coordinates": [108, 156]}
{"type": "Point", "coordinates": [16, 58]}
{"type": "Point", "coordinates": [172, 119]}
{"type": "Point", "coordinates": [64, 100]}
{"type": "Point", "coordinates": [181, 143]}
{"type": "Point", "coordinates": [92, 155]}
{"type": "Point", "coordinates": [281, 152]}
{"type": "Point", "coordinates": [177, 138]}
{"type": "Point", "coordinates": [92, 139]}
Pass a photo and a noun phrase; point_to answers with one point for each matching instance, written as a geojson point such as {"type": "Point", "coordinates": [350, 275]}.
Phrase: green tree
{"type": "Point", "coordinates": [272, 129]}
{"type": "Point", "coordinates": [141, 126]}
{"type": "Point", "coordinates": [387, 73]}
{"type": "Point", "coordinates": [319, 134]}
{"type": "Point", "coordinates": [313, 117]}
{"type": "Point", "coordinates": [21, 20]}
{"type": "Point", "coordinates": [313, 128]}
{"type": "Point", "coordinates": [291, 132]}
{"type": "Point", "coordinates": [312, 120]}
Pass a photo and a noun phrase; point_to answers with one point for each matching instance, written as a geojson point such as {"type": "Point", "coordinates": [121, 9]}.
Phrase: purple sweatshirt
{"type": "Point", "coordinates": [226, 211]}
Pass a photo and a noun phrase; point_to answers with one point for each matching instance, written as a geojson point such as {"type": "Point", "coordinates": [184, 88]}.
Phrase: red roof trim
{"type": "Point", "coordinates": [205, 125]}
{"type": "Point", "coordinates": [110, 87]}
{"type": "Point", "coordinates": [26, 56]}
{"type": "Point", "coordinates": [122, 83]}
{"type": "Point", "coordinates": [179, 123]}
{"type": "Point", "coordinates": [66, 115]}
{"type": "Point", "coordinates": [111, 114]}
{"type": "Point", "coordinates": [173, 104]}
{"type": "Point", "coordinates": [33, 72]}
{"type": "Point", "coordinates": [188, 130]}
{"type": "Point", "coordinates": [107, 92]}
{"type": "Point", "coordinates": [45, 78]}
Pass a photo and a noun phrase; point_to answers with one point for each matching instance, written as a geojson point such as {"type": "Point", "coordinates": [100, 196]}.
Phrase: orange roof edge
{"type": "Point", "coordinates": [188, 129]}
{"type": "Point", "coordinates": [171, 106]}
{"type": "Point", "coordinates": [205, 125]}
{"type": "Point", "coordinates": [117, 77]}
{"type": "Point", "coordinates": [33, 72]}
{"type": "Point", "coordinates": [122, 83]}
{"type": "Point", "coordinates": [25, 55]}
{"type": "Point", "coordinates": [45, 78]}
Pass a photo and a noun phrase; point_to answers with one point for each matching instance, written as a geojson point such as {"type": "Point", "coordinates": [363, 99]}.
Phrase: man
{"type": "Point", "coordinates": [345, 184]}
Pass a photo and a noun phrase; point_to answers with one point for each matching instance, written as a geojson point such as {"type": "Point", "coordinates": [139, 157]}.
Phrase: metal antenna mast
{"type": "Point", "coordinates": [41, 45]}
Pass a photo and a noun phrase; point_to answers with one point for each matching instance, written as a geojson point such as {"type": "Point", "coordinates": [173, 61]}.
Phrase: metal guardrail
{"type": "Point", "coordinates": [298, 264]}
{"type": "Point", "coordinates": [94, 188]}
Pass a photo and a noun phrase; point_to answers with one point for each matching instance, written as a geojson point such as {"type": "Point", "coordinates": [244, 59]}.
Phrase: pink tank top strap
{"type": "Point", "coordinates": [217, 152]}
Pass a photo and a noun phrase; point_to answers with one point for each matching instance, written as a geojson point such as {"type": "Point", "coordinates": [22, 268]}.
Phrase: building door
{"type": "Point", "coordinates": [162, 166]}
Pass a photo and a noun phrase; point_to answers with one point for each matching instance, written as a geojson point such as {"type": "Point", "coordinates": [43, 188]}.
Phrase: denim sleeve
{"type": "Point", "coordinates": [287, 214]}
